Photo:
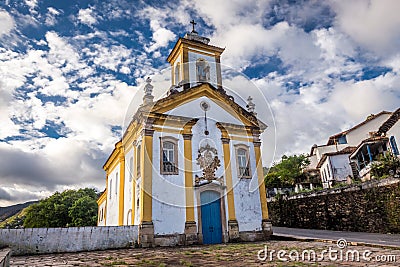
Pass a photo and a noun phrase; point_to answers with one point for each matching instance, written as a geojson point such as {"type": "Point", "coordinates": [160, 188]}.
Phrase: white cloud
{"type": "Point", "coordinates": [32, 4]}
{"type": "Point", "coordinates": [374, 24]}
{"type": "Point", "coordinates": [6, 23]}
{"type": "Point", "coordinates": [51, 16]}
{"type": "Point", "coordinates": [161, 36]}
{"type": "Point", "coordinates": [87, 16]}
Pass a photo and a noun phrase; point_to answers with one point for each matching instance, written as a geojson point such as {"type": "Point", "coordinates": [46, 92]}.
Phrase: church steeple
{"type": "Point", "coordinates": [194, 61]}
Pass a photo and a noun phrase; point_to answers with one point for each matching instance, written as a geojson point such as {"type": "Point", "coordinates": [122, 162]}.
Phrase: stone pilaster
{"type": "Point", "coordinates": [267, 229]}
{"type": "Point", "coordinates": [146, 234]}
{"type": "Point", "coordinates": [191, 233]}
{"type": "Point", "coordinates": [233, 230]}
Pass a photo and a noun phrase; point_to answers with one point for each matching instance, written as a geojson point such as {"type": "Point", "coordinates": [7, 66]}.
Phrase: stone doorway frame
{"type": "Point", "coordinates": [220, 189]}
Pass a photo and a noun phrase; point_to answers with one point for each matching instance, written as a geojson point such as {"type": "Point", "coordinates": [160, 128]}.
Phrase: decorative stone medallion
{"type": "Point", "coordinates": [209, 162]}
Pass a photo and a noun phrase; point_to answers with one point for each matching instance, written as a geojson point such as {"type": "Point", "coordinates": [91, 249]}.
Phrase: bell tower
{"type": "Point", "coordinates": [194, 61]}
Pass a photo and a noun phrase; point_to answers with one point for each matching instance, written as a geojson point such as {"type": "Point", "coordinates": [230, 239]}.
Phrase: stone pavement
{"type": "Point", "coordinates": [356, 237]}
{"type": "Point", "coordinates": [241, 254]}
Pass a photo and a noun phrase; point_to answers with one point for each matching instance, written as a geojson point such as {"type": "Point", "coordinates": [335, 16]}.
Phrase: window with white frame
{"type": "Point", "coordinates": [116, 183]}
{"type": "Point", "coordinates": [243, 161]}
{"type": "Point", "coordinates": [168, 157]}
{"type": "Point", "coordinates": [130, 169]}
{"type": "Point", "coordinates": [138, 150]}
{"type": "Point", "coordinates": [110, 187]}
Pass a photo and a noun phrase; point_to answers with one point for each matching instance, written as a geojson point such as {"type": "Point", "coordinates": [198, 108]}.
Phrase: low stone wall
{"type": "Point", "coordinates": [73, 239]}
{"type": "Point", "coordinates": [369, 207]}
{"type": "Point", "coordinates": [5, 257]}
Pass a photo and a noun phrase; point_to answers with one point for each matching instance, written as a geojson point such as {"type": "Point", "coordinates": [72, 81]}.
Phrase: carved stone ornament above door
{"type": "Point", "coordinates": [209, 162]}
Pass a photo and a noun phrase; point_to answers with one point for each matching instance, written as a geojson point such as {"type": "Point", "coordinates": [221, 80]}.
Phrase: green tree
{"type": "Point", "coordinates": [386, 165]}
{"type": "Point", "coordinates": [287, 172]}
{"type": "Point", "coordinates": [83, 212]}
{"type": "Point", "coordinates": [60, 209]}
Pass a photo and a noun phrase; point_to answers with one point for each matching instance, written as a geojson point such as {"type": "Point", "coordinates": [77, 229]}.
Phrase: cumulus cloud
{"type": "Point", "coordinates": [373, 24]}
{"type": "Point", "coordinates": [6, 22]}
{"type": "Point", "coordinates": [161, 36]}
{"type": "Point", "coordinates": [87, 16]}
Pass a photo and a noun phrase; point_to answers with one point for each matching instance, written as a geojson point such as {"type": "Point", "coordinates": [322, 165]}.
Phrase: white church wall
{"type": "Point", "coordinates": [168, 191]}
{"type": "Point", "coordinates": [193, 57]}
{"type": "Point", "coordinates": [246, 193]}
{"type": "Point", "coordinates": [128, 188]}
{"type": "Point", "coordinates": [113, 197]}
{"type": "Point", "coordinates": [215, 112]}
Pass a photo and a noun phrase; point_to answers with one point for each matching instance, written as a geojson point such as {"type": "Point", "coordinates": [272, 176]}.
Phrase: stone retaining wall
{"type": "Point", "coordinates": [369, 207]}
{"type": "Point", "coordinates": [73, 239]}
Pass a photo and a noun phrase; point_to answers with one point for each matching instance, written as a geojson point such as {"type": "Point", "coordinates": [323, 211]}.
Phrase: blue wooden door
{"type": "Point", "coordinates": [211, 217]}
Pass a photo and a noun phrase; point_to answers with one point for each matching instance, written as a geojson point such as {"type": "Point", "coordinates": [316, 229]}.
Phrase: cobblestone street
{"type": "Point", "coordinates": [244, 254]}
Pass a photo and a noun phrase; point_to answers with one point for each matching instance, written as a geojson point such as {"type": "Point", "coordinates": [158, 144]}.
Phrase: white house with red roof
{"type": "Point", "coordinates": [350, 153]}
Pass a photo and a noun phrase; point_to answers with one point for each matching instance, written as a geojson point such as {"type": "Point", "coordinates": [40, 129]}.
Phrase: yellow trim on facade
{"type": "Point", "coordinates": [121, 187]}
{"type": "Point", "coordinates": [228, 179]}
{"type": "Point", "coordinates": [146, 168]}
{"type": "Point", "coordinates": [113, 159]}
{"type": "Point", "coordinates": [203, 90]}
{"type": "Point", "coordinates": [260, 175]}
{"type": "Point", "coordinates": [134, 179]}
{"type": "Point", "coordinates": [202, 52]}
{"type": "Point", "coordinates": [185, 43]}
{"type": "Point", "coordinates": [188, 165]}
{"type": "Point", "coordinates": [167, 130]}
{"type": "Point", "coordinates": [102, 198]}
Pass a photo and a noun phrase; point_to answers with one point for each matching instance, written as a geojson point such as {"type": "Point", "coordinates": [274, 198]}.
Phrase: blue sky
{"type": "Point", "coordinates": [68, 70]}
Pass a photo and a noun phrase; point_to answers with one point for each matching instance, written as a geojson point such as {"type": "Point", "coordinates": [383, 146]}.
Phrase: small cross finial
{"type": "Point", "coordinates": [193, 24]}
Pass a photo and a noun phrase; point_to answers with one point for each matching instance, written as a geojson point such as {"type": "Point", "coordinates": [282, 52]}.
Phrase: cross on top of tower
{"type": "Point", "coordinates": [193, 24]}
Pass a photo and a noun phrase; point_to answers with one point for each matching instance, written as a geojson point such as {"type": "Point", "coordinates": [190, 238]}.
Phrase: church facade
{"type": "Point", "coordinates": [188, 168]}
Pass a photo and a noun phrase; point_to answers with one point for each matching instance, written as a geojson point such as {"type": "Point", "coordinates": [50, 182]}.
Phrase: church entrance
{"type": "Point", "coordinates": [211, 217]}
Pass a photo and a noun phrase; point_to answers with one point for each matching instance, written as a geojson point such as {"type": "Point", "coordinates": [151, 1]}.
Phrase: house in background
{"type": "Point", "coordinates": [379, 143]}
{"type": "Point", "coordinates": [335, 167]}
{"type": "Point", "coordinates": [350, 153]}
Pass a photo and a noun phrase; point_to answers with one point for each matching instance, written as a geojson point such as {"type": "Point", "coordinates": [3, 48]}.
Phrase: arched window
{"type": "Point", "coordinates": [202, 70]}
{"type": "Point", "coordinates": [116, 183]}
{"type": "Point", "coordinates": [168, 157]}
{"type": "Point", "coordinates": [130, 169]}
{"type": "Point", "coordinates": [129, 217]}
{"type": "Point", "coordinates": [177, 73]}
{"type": "Point", "coordinates": [138, 160]}
{"type": "Point", "coordinates": [110, 187]}
{"type": "Point", "coordinates": [243, 161]}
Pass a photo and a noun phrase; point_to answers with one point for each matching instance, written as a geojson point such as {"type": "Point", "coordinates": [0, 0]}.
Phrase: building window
{"type": "Point", "coordinates": [202, 70]}
{"type": "Point", "coordinates": [138, 150]}
{"type": "Point", "coordinates": [110, 188]}
{"type": "Point", "coordinates": [394, 146]}
{"type": "Point", "coordinates": [243, 161]}
{"type": "Point", "coordinates": [130, 169]}
{"type": "Point", "coordinates": [177, 73]}
{"type": "Point", "coordinates": [329, 171]}
{"type": "Point", "coordinates": [116, 183]}
{"type": "Point", "coordinates": [342, 140]}
{"type": "Point", "coordinates": [168, 157]}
